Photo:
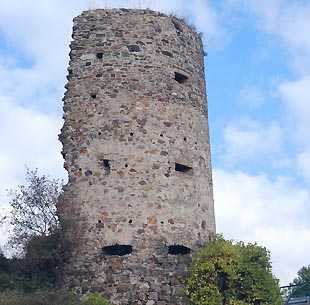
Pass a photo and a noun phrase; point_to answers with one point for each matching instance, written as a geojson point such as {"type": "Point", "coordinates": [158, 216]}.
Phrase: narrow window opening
{"type": "Point", "coordinates": [88, 63]}
{"type": "Point", "coordinates": [116, 249]}
{"type": "Point", "coordinates": [178, 250]}
{"type": "Point", "coordinates": [99, 221]}
{"type": "Point", "coordinates": [184, 139]}
{"type": "Point", "coordinates": [99, 55]}
{"type": "Point", "coordinates": [180, 78]}
{"type": "Point", "coordinates": [130, 221]}
{"type": "Point", "coordinates": [182, 168]}
{"type": "Point", "coordinates": [93, 96]}
{"type": "Point", "coordinates": [131, 134]}
{"type": "Point", "coordinates": [126, 165]}
{"type": "Point", "coordinates": [161, 135]}
{"type": "Point", "coordinates": [106, 166]}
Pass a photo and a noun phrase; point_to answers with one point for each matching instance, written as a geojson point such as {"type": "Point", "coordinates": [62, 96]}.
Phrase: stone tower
{"type": "Point", "coordinates": [136, 148]}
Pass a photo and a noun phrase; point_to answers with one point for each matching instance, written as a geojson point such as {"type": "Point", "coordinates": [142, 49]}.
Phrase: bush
{"type": "Point", "coordinates": [95, 299]}
{"type": "Point", "coordinates": [232, 274]}
{"type": "Point", "coordinates": [57, 297]}
{"type": "Point", "coordinates": [40, 298]}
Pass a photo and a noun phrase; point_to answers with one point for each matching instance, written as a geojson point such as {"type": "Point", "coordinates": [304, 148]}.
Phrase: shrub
{"type": "Point", "coordinates": [47, 297]}
{"type": "Point", "coordinates": [95, 299]}
{"type": "Point", "coordinates": [232, 274]}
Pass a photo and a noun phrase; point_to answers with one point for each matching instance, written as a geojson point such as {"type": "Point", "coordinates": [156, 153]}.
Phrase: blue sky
{"type": "Point", "coordinates": [258, 87]}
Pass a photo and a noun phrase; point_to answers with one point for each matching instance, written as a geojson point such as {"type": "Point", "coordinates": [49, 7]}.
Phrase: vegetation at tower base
{"type": "Point", "coordinates": [37, 237]}
{"type": "Point", "coordinates": [50, 297]}
{"type": "Point", "coordinates": [232, 274]}
{"type": "Point", "coordinates": [33, 214]}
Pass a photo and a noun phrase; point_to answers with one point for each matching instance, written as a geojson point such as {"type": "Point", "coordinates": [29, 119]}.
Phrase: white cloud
{"type": "Point", "coordinates": [251, 97]}
{"type": "Point", "coordinates": [272, 213]}
{"type": "Point", "coordinates": [303, 164]}
{"type": "Point", "coordinates": [28, 138]}
{"type": "Point", "coordinates": [290, 21]}
{"type": "Point", "coordinates": [249, 140]}
{"type": "Point", "coordinates": [296, 96]}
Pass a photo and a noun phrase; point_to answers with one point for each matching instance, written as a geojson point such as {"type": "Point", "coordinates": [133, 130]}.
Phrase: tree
{"type": "Point", "coordinates": [33, 211]}
{"type": "Point", "coordinates": [232, 274]}
{"type": "Point", "coordinates": [302, 282]}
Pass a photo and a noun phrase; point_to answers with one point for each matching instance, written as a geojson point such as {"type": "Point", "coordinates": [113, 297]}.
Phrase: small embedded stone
{"type": "Point", "coordinates": [141, 122]}
{"type": "Point", "coordinates": [164, 153]}
{"type": "Point", "coordinates": [133, 48]}
{"type": "Point", "coordinates": [174, 281]}
{"type": "Point", "coordinates": [88, 173]}
{"type": "Point", "coordinates": [142, 182]}
{"type": "Point", "coordinates": [146, 188]}
{"type": "Point", "coordinates": [116, 46]}
{"type": "Point", "coordinates": [171, 221]}
{"type": "Point", "coordinates": [167, 53]}
{"type": "Point", "coordinates": [167, 124]}
{"type": "Point", "coordinates": [144, 287]}
{"type": "Point", "coordinates": [78, 174]}
{"type": "Point", "coordinates": [140, 231]}
{"type": "Point", "coordinates": [142, 296]}
{"type": "Point", "coordinates": [154, 229]}
{"type": "Point", "coordinates": [120, 189]}
{"type": "Point", "coordinates": [121, 174]}
{"type": "Point", "coordinates": [83, 151]}
{"type": "Point", "coordinates": [152, 220]}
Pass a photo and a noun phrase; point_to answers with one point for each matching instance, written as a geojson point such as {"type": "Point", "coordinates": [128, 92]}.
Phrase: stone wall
{"type": "Point", "coordinates": [136, 148]}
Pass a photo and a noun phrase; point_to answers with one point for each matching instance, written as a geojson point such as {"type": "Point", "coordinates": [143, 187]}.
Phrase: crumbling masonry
{"type": "Point", "coordinates": [136, 148]}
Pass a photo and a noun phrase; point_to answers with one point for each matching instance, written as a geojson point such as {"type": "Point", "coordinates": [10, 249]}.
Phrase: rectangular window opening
{"type": "Point", "coordinates": [180, 78]}
{"type": "Point", "coordinates": [178, 250]}
{"type": "Point", "coordinates": [119, 250]}
{"type": "Point", "coordinates": [183, 168]}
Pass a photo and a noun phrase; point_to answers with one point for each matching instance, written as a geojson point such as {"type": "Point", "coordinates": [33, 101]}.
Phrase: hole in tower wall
{"type": "Point", "coordinates": [116, 249]}
{"type": "Point", "coordinates": [178, 250]}
{"type": "Point", "coordinates": [180, 78]}
{"type": "Point", "coordinates": [106, 166]}
{"type": "Point", "coordinates": [99, 55]}
{"type": "Point", "coordinates": [183, 168]}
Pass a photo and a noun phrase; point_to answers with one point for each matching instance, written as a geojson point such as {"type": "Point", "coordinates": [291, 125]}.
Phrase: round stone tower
{"type": "Point", "coordinates": [136, 147]}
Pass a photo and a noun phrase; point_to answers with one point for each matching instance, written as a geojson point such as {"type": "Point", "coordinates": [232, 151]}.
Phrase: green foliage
{"type": "Point", "coordinates": [232, 274]}
{"type": "Point", "coordinates": [40, 297]}
{"type": "Point", "coordinates": [94, 298]}
{"type": "Point", "coordinates": [33, 209]}
{"type": "Point", "coordinates": [48, 297]}
{"type": "Point", "coordinates": [303, 277]}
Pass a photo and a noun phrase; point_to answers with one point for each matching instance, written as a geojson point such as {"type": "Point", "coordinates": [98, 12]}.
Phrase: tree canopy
{"type": "Point", "coordinates": [232, 274]}
{"type": "Point", "coordinates": [302, 282]}
{"type": "Point", "coordinates": [33, 211]}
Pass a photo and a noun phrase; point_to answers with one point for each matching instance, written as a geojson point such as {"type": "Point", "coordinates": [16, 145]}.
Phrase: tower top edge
{"type": "Point", "coordinates": [102, 13]}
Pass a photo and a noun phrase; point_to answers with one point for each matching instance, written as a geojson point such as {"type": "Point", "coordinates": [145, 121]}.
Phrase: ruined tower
{"type": "Point", "coordinates": [136, 148]}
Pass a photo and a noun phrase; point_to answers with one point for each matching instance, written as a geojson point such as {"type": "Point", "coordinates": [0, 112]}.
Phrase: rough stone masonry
{"type": "Point", "coordinates": [136, 146]}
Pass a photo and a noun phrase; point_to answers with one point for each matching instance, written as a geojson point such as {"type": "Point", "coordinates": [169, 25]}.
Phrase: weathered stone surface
{"type": "Point", "coordinates": [136, 148]}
